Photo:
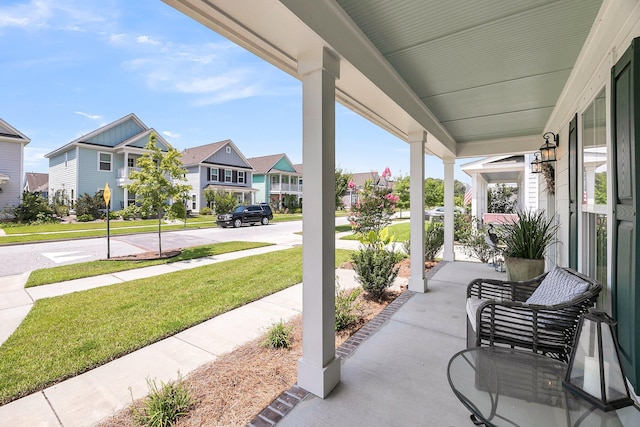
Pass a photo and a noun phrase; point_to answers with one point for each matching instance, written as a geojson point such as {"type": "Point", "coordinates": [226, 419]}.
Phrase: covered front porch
{"type": "Point", "coordinates": [398, 375]}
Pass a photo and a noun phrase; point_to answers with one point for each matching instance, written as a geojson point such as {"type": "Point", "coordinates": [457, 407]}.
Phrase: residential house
{"type": "Point", "coordinates": [37, 183]}
{"type": "Point", "coordinates": [105, 156]}
{"type": "Point", "coordinates": [510, 169]}
{"type": "Point", "coordinates": [218, 166]}
{"type": "Point", "coordinates": [465, 80]}
{"type": "Point", "coordinates": [358, 180]}
{"type": "Point", "coordinates": [277, 181]}
{"type": "Point", "coordinates": [12, 143]}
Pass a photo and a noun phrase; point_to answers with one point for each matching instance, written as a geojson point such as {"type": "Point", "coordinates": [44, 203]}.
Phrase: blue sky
{"type": "Point", "coordinates": [71, 66]}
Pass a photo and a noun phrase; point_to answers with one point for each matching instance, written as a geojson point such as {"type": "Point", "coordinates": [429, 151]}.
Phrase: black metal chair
{"type": "Point", "coordinates": [498, 314]}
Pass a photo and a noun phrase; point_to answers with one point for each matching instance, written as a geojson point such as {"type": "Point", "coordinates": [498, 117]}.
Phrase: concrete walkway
{"type": "Point", "coordinates": [90, 397]}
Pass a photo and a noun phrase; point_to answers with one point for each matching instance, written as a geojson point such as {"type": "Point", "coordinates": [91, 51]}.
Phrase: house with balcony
{"type": "Point", "coordinates": [218, 166]}
{"type": "Point", "coordinates": [277, 181]}
{"type": "Point", "coordinates": [105, 156]}
{"type": "Point", "coordinates": [12, 143]}
{"type": "Point", "coordinates": [465, 80]}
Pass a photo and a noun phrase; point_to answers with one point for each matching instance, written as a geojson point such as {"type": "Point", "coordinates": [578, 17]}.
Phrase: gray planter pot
{"type": "Point", "coordinates": [519, 269]}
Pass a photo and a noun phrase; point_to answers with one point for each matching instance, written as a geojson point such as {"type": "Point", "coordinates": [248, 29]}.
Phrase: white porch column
{"type": "Point", "coordinates": [125, 171]}
{"type": "Point", "coordinates": [417, 281]}
{"type": "Point", "coordinates": [448, 254]}
{"type": "Point", "coordinates": [318, 369]}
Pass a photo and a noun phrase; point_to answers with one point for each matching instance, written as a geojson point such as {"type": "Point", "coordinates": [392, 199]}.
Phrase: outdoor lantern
{"type": "Point", "coordinates": [548, 149]}
{"type": "Point", "coordinates": [594, 371]}
{"type": "Point", "coordinates": [535, 163]}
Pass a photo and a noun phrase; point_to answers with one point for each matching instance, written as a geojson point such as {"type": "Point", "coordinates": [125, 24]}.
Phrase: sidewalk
{"type": "Point", "coordinates": [90, 397]}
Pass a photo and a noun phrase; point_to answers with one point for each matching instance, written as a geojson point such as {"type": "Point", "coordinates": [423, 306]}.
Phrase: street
{"type": "Point", "coordinates": [31, 256]}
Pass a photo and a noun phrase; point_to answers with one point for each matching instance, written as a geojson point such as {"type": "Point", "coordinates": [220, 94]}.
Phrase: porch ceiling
{"type": "Point", "coordinates": [481, 77]}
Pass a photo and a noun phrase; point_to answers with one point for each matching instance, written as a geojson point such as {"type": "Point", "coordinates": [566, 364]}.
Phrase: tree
{"type": "Point", "coordinates": [342, 185]}
{"type": "Point", "coordinates": [91, 205]}
{"type": "Point", "coordinates": [223, 202]}
{"type": "Point", "coordinates": [401, 189]}
{"type": "Point", "coordinates": [33, 208]}
{"type": "Point", "coordinates": [433, 192]}
{"type": "Point", "coordinates": [502, 199]}
{"type": "Point", "coordinates": [374, 208]}
{"type": "Point", "coordinates": [158, 181]}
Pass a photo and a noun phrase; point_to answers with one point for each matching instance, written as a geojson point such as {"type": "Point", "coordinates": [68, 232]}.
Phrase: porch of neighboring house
{"type": "Point", "coordinates": [285, 191]}
{"type": "Point", "coordinates": [244, 195]}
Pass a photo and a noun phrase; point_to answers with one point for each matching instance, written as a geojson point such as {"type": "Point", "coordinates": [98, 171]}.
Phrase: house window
{"type": "Point", "coordinates": [241, 177]}
{"type": "Point", "coordinates": [66, 159]}
{"type": "Point", "coordinates": [228, 150]}
{"type": "Point", "coordinates": [193, 202]}
{"type": "Point", "coordinates": [131, 162]}
{"type": "Point", "coordinates": [594, 188]}
{"type": "Point", "coordinates": [213, 175]}
{"type": "Point", "coordinates": [104, 162]}
{"type": "Point", "coordinates": [227, 175]}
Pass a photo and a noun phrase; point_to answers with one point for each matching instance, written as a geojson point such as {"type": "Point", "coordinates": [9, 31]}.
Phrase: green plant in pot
{"type": "Point", "coordinates": [526, 242]}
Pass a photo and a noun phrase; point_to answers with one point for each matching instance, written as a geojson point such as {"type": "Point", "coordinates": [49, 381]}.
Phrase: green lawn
{"type": "Point", "coordinates": [401, 232]}
{"type": "Point", "coordinates": [64, 336]}
{"type": "Point", "coordinates": [95, 268]}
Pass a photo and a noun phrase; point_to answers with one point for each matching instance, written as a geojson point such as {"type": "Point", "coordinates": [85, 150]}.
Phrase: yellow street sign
{"type": "Point", "coordinates": [107, 194]}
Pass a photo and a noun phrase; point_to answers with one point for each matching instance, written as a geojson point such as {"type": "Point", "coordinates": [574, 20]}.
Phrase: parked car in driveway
{"type": "Point", "coordinates": [437, 214]}
{"type": "Point", "coordinates": [251, 214]}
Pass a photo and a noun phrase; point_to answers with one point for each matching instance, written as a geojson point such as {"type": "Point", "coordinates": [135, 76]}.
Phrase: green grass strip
{"type": "Point", "coordinates": [401, 231]}
{"type": "Point", "coordinates": [95, 268]}
{"type": "Point", "coordinates": [64, 336]}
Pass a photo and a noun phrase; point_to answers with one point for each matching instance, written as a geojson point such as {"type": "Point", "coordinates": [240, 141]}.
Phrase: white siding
{"type": "Point", "coordinates": [11, 165]}
{"type": "Point", "coordinates": [62, 174]}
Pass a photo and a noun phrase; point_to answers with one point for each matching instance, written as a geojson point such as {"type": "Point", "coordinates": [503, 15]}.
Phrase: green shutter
{"type": "Point", "coordinates": [625, 84]}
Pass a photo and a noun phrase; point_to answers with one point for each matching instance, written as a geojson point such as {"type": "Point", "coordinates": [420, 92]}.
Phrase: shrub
{"type": "Point", "coordinates": [348, 312]}
{"type": "Point", "coordinates": [433, 241]}
{"type": "Point", "coordinates": [205, 211]}
{"type": "Point", "coordinates": [33, 208]}
{"type": "Point", "coordinates": [164, 405]}
{"type": "Point", "coordinates": [374, 208]}
{"type": "Point", "coordinates": [278, 336]}
{"type": "Point", "coordinates": [91, 205]}
{"type": "Point", "coordinates": [177, 210]}
{"type": "Point", "coordinates": [374, 265]}
{"type": "Point", "coordinates": [61, 210]}
{"type": "Point", "coordinates": [461, 226]}
{"type": "Point", "coordinates": [84, 218]}
{"type": "Point", "coordinates": [475, 245]}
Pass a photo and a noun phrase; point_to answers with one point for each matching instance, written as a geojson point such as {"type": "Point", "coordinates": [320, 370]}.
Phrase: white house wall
{"type": "Point", "coordinates": [11, 165]}
{"type": "Point", "coordinates": [63, 173]}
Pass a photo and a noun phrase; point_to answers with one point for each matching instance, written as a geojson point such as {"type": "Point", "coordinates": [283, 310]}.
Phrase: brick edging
{"type": "Point", "coordinates": [284, 403]}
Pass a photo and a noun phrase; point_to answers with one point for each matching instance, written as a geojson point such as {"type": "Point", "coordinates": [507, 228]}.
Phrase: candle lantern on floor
{"type": "Point", "coordinates": [594, 372]}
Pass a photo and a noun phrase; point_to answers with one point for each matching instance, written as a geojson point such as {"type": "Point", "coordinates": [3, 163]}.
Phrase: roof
{"type": "Point", "coordinates": [36, 182]}
{"type": "Point", "coordinates": [298, 168]}
{"type": "Point", "coordinates": [361, 177]}
{"type": "Point", "coordinates": [264, 164]}
{"type": "Point", "coordinates": [145, 131]}
{"type": "Point", "coordinates": [8, 132]}
{"type": "Point", "coordinates": [197, 155]}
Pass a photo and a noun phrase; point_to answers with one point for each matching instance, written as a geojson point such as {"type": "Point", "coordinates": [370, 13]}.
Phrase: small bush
{"type": "Point", "coordinates": [91, 205]}
{"type": "Point", "coordinates": [475, 245]}
{"type": "Point", "coordinates": [84, 218]}
{"type": "Point", "coordinates": [278, 336]}
{"type": "Point", "coordinates": [433, 241]}
{"type": "Point", "coordinates": [375, 266]}
{"type": "Point", "coordinates": [348, 312]}
{"type": "Point", "coordinates": [61, 210]}
{"type": "Point", "coordinates": [205, 211]}
{"type": "Point", "coordinates": [164, 405]}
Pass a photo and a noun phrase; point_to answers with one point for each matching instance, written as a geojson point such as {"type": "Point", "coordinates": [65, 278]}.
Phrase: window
{"type": "Point", "coordinates": [193, 202]}
{"type": "Point", "coordinates": [213, 174]}
{"type": "Point", "coordinates": [131, 162]}
{"type": "Point", "coordinates": [228, 150]}
{"type": "Point", "coordinates": [227, 175]}
{"type": "Point", "coordinates": [66, 159]}
{"type": "Point", "coordinates": [241, 177]}
{"type": "Point", "coordinates": [104, 162]}
{"type": "Point", "coordinates": [594, 189]}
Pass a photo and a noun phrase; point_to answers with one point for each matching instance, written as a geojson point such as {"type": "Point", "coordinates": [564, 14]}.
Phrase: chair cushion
{"type": "Point", "coordinates": [472, 308]}
{"type": "Point", "coordinates": [558, 287]}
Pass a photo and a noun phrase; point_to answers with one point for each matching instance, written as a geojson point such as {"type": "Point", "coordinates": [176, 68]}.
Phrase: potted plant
{"type": "Point", "coordinates": [526, 242]}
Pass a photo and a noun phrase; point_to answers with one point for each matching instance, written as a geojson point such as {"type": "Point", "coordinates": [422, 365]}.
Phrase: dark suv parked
{"type": "Point", "coordinates": [252, 214]}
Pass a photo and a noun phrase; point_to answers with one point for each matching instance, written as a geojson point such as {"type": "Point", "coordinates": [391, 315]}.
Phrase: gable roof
{"type": "Point", "coordinates": [298, 168]}
{"type": "Point", "coordinates": [91, 137]}
{"type": "Point", "coordinates": [9, 133]}
{"type": "Point", "coordinates": [265, 164]}
{"type": "Point", "coordinates": [36, 182]}
{"type": "Point", "coordinates": [196, 155]}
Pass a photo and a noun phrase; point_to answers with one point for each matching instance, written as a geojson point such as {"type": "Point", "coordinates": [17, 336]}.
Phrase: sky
{"type": "Point", "coordinates": [69, 67]}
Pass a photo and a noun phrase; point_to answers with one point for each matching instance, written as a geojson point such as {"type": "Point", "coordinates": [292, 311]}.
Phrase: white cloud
{"type": "Point", "coordinates": [118, 38]}
{"type": "Point", "coordinates": [70, 15]}
{"type": "Point", "coordinates": [229, 94]}
{"type": "Point", "coordinates": [147, 40]}
{"type": "Point", "coordinates": [170, 134]}
{"type": "Point", "coordinates": [88, 116]}
{"type": "Point", "coordinates": [34, 160]}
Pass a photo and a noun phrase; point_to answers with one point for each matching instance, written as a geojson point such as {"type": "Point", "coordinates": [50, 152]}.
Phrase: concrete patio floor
{"type": "Point", "coordinates": [398, 376]}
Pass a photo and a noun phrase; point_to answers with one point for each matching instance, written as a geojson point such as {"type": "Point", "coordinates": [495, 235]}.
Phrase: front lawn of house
{"type": "Point", "coordinates": [64, 336]}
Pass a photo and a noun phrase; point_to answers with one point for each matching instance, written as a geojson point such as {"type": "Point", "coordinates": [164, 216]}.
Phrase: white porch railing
{"type": "Point", "coordinates": [123, 173]}
{"type": "Point", "coordinates": [277, 187]}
